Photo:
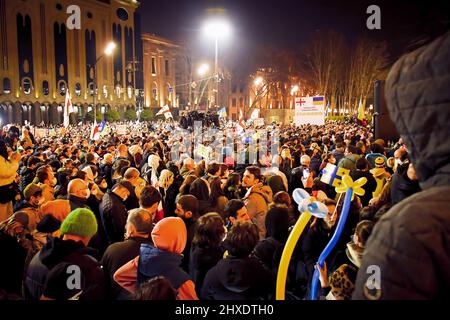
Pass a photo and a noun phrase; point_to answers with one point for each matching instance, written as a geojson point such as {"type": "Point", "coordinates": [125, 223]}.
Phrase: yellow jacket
{"type": "Point", "coordinates": [8, 171]}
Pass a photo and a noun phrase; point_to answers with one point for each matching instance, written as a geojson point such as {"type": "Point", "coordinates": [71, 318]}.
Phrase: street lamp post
{"type": "Point", "coordinates": [217, 28]}
{"type": "Point", "coordinates": [108, 51]}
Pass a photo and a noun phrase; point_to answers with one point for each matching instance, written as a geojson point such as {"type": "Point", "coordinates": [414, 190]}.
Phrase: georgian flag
{"type": "Point", "coordinates": [68, 109]}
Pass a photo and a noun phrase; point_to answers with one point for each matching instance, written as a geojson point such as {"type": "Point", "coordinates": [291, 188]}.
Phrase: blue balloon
{"type": "Point", "coordinates": [332, 243]}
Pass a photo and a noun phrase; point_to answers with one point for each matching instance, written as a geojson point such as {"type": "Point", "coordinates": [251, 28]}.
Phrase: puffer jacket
{"type": "Point", "coordinates": [409, 244]}
{"type": "Point", "coordinates": [257, 202]}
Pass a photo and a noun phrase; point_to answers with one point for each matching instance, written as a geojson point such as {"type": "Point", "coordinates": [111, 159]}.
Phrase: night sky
{"type": "Point", "coordinates": [288, 24]}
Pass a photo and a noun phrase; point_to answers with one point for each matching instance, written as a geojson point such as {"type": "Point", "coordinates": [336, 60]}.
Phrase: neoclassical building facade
{"type": "Point", "coordinates": [43, 56]}
{"type": "Point", "coordinates": [167, 72]}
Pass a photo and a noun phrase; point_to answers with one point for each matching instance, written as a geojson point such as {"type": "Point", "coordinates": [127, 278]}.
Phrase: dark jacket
{"type": "Point", "coordinates": [190, 228]}
{"type": "Point", "coordinates": [410, 243]}
{"type": "Point", "coordinates": [132, 201]}
{"type": "Point", "coordinates": [114, 217]}
{"type": "Point", "coordinates": [238, 279]}
{"type": "Point", "coordinates": [26, 177]}
{"type": "Point", "coordinates": [201, 260]}
{"type": "Point", "coordinates": [105, 172]}
{"type": "Point", "coordinates": [115, 256]}
{"type": "Point", "coordinates": [369, 187]}
{"type": "Point", "coordinates": [57, 250]}
{"type": "Point", "coordinates": [12, 266]}
{"type": "Point", "coordinates": [401, 186]}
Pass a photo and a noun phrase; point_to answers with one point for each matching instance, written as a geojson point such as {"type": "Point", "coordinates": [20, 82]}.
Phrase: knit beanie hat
{"type": "Point", "coordinates": [379, 162]}
{"type": "Point", "coordinates": [80, 222]}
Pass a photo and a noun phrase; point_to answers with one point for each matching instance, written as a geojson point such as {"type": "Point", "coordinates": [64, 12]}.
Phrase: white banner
{"type": "Point", "coordinates": [258, 122]}
{"type": "Point", "coordinates": [310, 110]}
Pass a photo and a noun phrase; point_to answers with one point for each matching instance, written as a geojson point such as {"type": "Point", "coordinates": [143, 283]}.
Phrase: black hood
{"type": "Point", "coordinates": [236, 275]}
{"type": "Point", "coordinates": [56, 249]}
{"type": "Point", "coordinates": [418, 98]}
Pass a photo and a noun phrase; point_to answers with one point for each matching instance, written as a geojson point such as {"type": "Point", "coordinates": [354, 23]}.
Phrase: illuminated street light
{"type": "Point", "coordinates": [217, 28]}
{"type": "Point", "coordinates": [203, 69]}
{"type": "Point", "coordinates": [294, 90]}
{"type": "Point", "coordinates": [258, 81]}
{"type": "Point", "coordinates": [110, 48]}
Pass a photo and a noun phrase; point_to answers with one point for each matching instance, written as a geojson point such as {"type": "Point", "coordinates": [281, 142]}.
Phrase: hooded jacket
{"type": "Point", "coordinates": [26, 177]}
{"type": "Point", "coordinates": [57, 250]}
{"type": "Point", "coordinates": [401, 186]}
{"type": "Point", "coordinates": [409, 243]}
{"type": "Point", "coordinates": [163, 259]}
{"type": "Point", "coordinates": [114, 217]}
{"type": "Point", "coordinates": [257, 201]}
{"type": "Point", "coordinates": [238, 279]}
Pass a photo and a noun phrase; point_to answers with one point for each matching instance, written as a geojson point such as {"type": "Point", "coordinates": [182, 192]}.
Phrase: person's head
{"type": "Point", "coordinates": [123, 150]}
{"type": "Point", "coordinates": [189, 164]}
{"type": "Point", "coordinates": [90, 158]}
{"type": "Point", "coordinates": [108, 158]}
{"type": "Point", "coordinates": [33, 195]}
{"type": "Point", "coordinates": [329, 158]}
{"type": "Point", "coordinates": [79, 225]}
{"type": "Point", "coordinates": [46, 176]}
{"type": "Point", "coordinates": [166, 179]}
{"type": "Point", "coordinates": [224, 172]}
{"type": "Point", "coordinates": [340, 147]}
{"type": "Point", "coordinates": [277, 223]}
{"type": "Point", "coordinates": [252, 176]}
{"type": "Point", "coordinates": [216, 189]}
{"type": "Point", "coordinates": [305, 160]}
{"type": "Point", "coordinates": [351, 150]}
{"type": "Point", "coordinates": [235, 211]}
{"type": "Point", "coordinates": [187, 207]}
{"type": "Point", "coordinates": [213, 169]}
{"type": "Point", "coordinates": [376, 148]}
{"type": "Point", "coordinates": [185, 187]}
{"type": "Point", "coordinates": [362, 233]}
{"type": "Point", "coordinates": [121, 191]}
{"type": "Point", "coordinates": [78, 188]}
{"type": "Point", "coordinates": [282, 198]}
{"type": "Point", "coordinates": [411, 172]}
{"type": "Point", "coordinates": [56, 288]}
{"type": "Point", "coordinates": [32, 162]}
{"type": "Point", "coordinates": [157, 288]}
{"type": "Point", "coordinates": [150, 198]}
{"type": "Point", "coordinates": [139, 223]}
{"type": "Point", "coordinates": [170, 234]}
{"type": "Point", "coordinates": [200, 189]}
{"type": "Point", "coordinates": [332, 215]}
{"type": "Point", "coordinates": [241, 239]}
{"type": "Point", "coordinates": [132, 175]}
{"type": "Point", "coordinates": [209, 231]}
{"type": "Point", "coordinates": [362, 164]}
{"type": "Point", "coordinates": [233, 180]}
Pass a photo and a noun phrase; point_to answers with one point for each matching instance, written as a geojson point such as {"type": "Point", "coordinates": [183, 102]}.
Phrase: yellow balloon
{"type": "Point", "coordinates": [287, 254]}
{"type": "Point", "coordinates": [347, 183]}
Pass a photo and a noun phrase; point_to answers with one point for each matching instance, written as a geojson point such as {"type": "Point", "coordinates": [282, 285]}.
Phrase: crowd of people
{"type": "Point", "coordinates": [135, 220]}
{"type": "Point", "coordinates": [121, 217]}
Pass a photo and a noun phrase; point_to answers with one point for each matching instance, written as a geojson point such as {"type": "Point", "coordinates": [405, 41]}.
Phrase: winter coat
{"type": "Point", "coordinates": [115, 256]}
{"type": "Point", "coordinates": [162, 259]}
{"type": "Point", "coordinates": [201, 260]}
{"type": "Point", "coordinates": [401, 186]}
{"type": "Point", "coordinates": [410, 243]}
{"type": "Point", "coordinates": [8, 171]}
{"type": "Point", "coordinates": [26, 177]}
{"type": "Point", "coordinates": [257, 201]}
{"type": "Point", "coordinates": [238, 279]}
{"type": "Point", "coordinates": [56, 251]}
{"type": "Point", "coordinates": [369, 187]}
{"type": "Point", "coordinates": [105, 172]}
{"type": "Point", "coordinates": [114, 215]}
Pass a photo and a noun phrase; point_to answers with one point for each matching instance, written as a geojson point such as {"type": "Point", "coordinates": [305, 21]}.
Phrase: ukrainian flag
{"type": "Point", "coordinates": [318, 101]}
{"type": "Point", "coordinates": [332, 175]}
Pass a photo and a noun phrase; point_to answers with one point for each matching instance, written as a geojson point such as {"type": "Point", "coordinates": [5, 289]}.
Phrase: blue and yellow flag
{"type": "Point", "coordinates": [332, 175]}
